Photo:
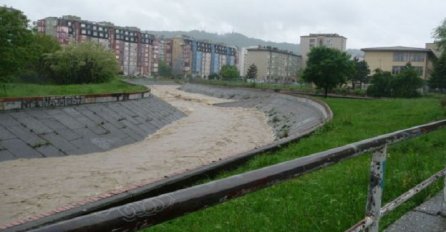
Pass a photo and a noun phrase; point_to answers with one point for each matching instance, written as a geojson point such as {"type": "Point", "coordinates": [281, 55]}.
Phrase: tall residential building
{"type": "Point", "coordinates": [273, 65]}
{"type": "Point", "coordinates": [134, 50]}
{"type": "Point", "coordinates": [392, 59]}
{"type": "Point", "coordinates": [307, 42]}
{"type": "Point", "coordinates": [200, 58]}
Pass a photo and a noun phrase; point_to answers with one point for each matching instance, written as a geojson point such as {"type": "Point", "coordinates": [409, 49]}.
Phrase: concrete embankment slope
{"type": "Point", "coordinates": [289, 116]}
{"type": "Point", "coordinates": [83, 129]}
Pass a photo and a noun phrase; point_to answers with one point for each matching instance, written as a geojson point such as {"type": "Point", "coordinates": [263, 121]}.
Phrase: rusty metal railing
{"type": "Point", "coordinates": [374, 212]}
{"type": "Point", "coordinates": [151, 211]}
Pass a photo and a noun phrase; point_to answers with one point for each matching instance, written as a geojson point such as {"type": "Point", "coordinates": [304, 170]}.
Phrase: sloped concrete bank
{"type": "Point", "coordinates": [284, 112]}
{"type": "Point", "coordinates": [290, 116]}
{"type": "Point", "coordinates": [83, 129]}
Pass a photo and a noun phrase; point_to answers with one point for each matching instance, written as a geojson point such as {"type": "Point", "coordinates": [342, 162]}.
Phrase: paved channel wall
{"type": "Point", "coordinates": [81, 129]}
{"type": "Point", "coordinates": [288, 115]}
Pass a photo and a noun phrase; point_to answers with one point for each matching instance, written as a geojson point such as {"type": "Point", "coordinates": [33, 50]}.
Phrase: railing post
{"type": "Point", "coordinates": [443, 205]}
{"type": "Point", "coordinates": [376, 187]}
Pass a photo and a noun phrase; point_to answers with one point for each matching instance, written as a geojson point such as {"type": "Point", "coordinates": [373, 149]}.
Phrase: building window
{"type": "Point", "coordinates": [396, 69]}
{"type": "Point", "coordinates": [408, 57]}
{"type": "Point", "coordinates": [398, 57]}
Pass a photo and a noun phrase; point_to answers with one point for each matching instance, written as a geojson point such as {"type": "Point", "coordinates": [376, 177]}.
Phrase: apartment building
{"type": "Point", "coordinates": [165, 50]}
{"type": "Point", "coordinates": [200, 58]}
{"type": "Point", "coordinates": [273, 65]}
{"type": "Point", "coordinates": [307, 42]}
{"type": "Point", "coordinates": [134, 50]}
{"type": "Point", "coordinates": [393, 59]}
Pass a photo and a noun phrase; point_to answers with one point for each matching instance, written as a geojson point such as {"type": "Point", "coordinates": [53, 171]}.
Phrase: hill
{"type": "Point", "coordinates": [235, 39]}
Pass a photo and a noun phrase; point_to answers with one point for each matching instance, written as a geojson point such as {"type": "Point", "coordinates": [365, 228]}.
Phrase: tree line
{"type": "Point", "coordinates": [27, 56]}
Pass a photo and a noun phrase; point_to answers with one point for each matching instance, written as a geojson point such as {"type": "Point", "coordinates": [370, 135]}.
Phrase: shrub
{"type": "Point", "coordinates": [405, 84]}
{"type": "Point", "coordinates": [81, 63]}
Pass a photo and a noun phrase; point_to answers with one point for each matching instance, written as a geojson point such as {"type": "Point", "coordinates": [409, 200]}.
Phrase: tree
{"type": "Point", "coordinates": [81, 63]}
{"type": "Point", "coordinates": [381, 84]}
{"type": "Point", "coordinates": [229, 72]}
{"type": "Point", "coordinates": [404, 84]}
{"type": "Point", "coordinates": [252, 72]}
{"type": "Point", "coordinates": [327, 68]}
{"type": "Point", "coordinates": [164, 69]}
{"type": "Point", "coordinates": [360, 74]}
{"type": "Point", "coordinates": [14, 38]}
{"type": "Point", "coordinates": [438, 76]}
{"type": "Point", "coordinates": [407, 82]}
{"type": "Point", "coordinates": [39, 46]}
{"type": "Point", "coordinates": [440, 36]}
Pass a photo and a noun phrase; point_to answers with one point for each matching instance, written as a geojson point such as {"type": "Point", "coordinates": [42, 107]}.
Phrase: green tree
{"type": "Point", "coordinates": [229, 72]}
{"type": "Point", "coordinates": [438, 76]}
{"type": "Point", "coordinates": [380, 84]}
{"type": "Point", "coordinates": [39, 46]}
{"type": "Point", "coordinates": [404, 84]}
{"type": "Point", "coordinates": [81, 63]}
{"type": "Point", "coordinates": [327, 68]}
{"type": "Point", "coordinates": [252, 72]}
{"type": "Point", "coordinates": [14, 38]}
{"type": "Point", "coordinates": [164, 69]}
{"type": "Point", "coordinates": [440, 36]}
{"type": "Point", "coordinates": [407, 82]}
{"type": "Point", "coordinates": [360, 74]}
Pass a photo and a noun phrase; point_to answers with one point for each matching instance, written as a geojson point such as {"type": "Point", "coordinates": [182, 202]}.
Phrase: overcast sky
{"type": "Point", "coordinates": [365, 23]}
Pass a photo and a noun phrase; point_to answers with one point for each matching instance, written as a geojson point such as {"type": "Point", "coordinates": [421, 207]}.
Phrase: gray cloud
{"type": "Point", "coordinates": [366, 23]}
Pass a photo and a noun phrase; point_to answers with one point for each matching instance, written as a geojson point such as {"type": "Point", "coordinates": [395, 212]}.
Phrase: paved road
{"type": "Point", "coordinates": [84, 129]}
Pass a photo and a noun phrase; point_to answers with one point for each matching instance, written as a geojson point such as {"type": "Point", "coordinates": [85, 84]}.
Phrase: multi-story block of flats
{"type": "Point", "coordinates": [307, 42]}
{"type": "Point", "coordinates": [134, 50]}
{"type": "Point", "coordinates": [273, 65]}
{"type": "Point", "coordinates": [200, 58]}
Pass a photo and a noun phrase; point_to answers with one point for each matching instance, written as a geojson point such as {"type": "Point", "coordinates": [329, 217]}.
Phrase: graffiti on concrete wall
{"type": "Point", "coordinates": [55, 101]}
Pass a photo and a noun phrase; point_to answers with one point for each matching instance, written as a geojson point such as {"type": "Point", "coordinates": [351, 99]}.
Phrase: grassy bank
{"type": "Point", "coordinates": [334, 198]}
{"type": "Point", "coordinates": [30, 90]}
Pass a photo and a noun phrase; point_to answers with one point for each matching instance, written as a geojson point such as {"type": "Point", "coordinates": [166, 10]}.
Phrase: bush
{"type": "Point", "coordinates": [80, 64]}
{"type": "Point", "coordinates": [405, 84]}
{"type": "Point", "coordinates": [381, 84]}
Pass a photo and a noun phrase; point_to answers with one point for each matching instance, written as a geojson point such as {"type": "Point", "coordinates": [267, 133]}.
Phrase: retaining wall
{"type": "Point", "coordinates": [81, 129]}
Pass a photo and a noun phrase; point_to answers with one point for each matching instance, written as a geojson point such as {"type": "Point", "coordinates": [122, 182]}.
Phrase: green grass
{"type": "Point", "coordinates": [333, 199]}
{"type": "Point", "coordinates": [31, 90]}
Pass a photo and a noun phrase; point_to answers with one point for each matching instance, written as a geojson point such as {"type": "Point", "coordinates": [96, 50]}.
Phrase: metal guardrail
{"type": "Point", "coordinates": [144, 213]}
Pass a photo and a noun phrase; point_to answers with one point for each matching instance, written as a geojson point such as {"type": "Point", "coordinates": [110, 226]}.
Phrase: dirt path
{"type": "Point", "coordinates": [208, 133]}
